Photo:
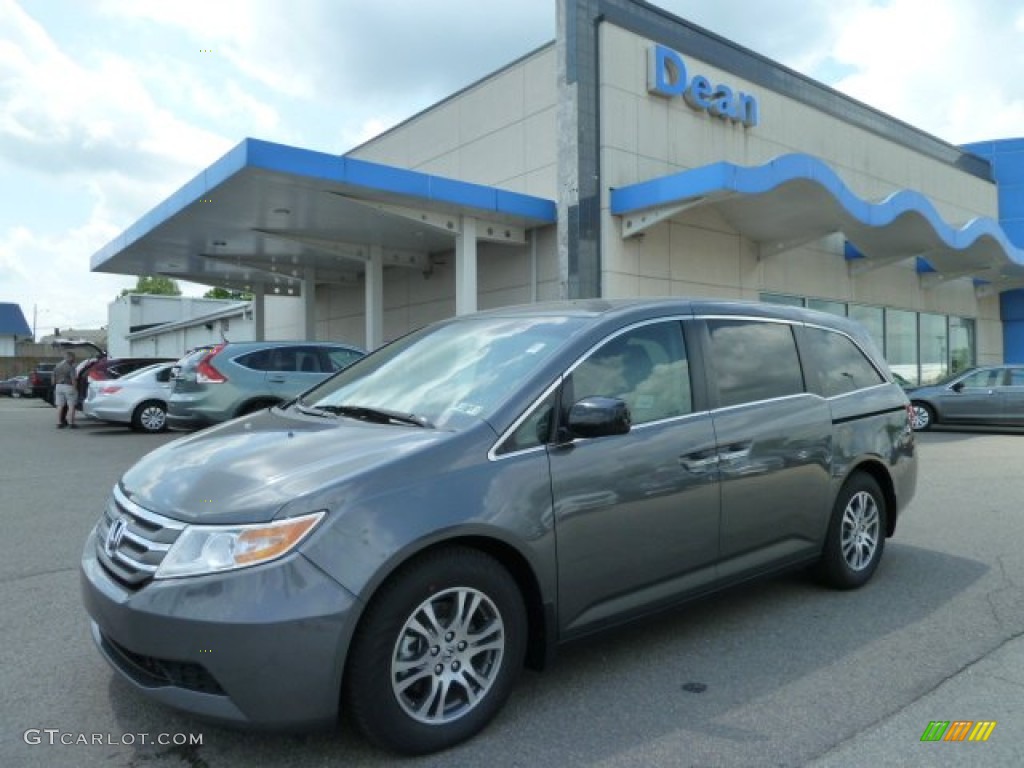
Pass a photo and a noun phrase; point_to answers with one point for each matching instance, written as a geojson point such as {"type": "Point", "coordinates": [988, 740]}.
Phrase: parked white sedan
{"type": "Point", "coordinates": [138, 399]}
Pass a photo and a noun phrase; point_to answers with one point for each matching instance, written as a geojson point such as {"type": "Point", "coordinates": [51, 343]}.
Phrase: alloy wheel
{"type": "Point", "coordinates": [860, 530]}
{"type": "Point", "coordinates": [447, 655]}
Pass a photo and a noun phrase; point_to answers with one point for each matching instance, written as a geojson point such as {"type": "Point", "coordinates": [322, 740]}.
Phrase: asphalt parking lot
{"type": "Point", "coordinates": [781, 673]}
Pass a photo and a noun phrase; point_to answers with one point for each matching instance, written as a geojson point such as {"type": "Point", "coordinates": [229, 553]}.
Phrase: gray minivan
{"type": "Point", "coordinates": [401, 539]}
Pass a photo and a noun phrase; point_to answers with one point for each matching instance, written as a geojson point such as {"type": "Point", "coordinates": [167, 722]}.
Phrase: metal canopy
{"type": "Point", "coordinates": [795, 199]}
{"type": "Point", "coordinates": [266, 213]}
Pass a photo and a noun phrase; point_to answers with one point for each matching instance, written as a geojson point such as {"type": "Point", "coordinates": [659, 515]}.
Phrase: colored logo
{"type": "Point", "coordinates": [958, 730]}
{"type": "Point", "coordinates": [667, 76]}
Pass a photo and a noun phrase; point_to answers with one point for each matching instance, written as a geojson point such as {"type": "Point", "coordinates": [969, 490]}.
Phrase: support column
{"type": "Point", "coordinates": [374, 287]}
{"type": "Point", "coordinates": [309, 304]}
{"type": "Point", "coordinates": [259, 330]}
{"type": "Point", "coordinates": [465, 267]}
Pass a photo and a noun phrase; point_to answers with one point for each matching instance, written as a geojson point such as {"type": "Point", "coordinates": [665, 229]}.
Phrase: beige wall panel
{"type": "Point", "coordinates": [540, 86]}
{"type": "Point", "coordinates": [541, 183]}
{"type": "Point", "coordinates": [704, 256]}
{"type": "Point", "coordinates": [617, 167]}
{"type": "Point", "coordinates": [497, 102]}
{"type": "Point", "coordinates": [541, 150]}
{"type": "Point", "coordinates": [437, 134]}
{"type": "Point", "coordinates": [502, 266]}
{"type": "Point", "coordinates": [704, 291]}
{"type": "Point", "coordinates": [506, 297]}
{"type": "Point", "coordinates": [500, 131]}
{"type": "Point", "coordinates": [495, 158]}
{"type": "Point", "coordinates": [617, 285]}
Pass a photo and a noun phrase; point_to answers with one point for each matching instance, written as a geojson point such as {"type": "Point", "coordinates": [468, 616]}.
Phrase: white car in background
{"type": "Point", "coordinates": [138, 398]}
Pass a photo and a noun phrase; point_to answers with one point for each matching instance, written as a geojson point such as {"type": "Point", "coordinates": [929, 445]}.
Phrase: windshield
{"type": "Point", "coordinates": [450, 375]}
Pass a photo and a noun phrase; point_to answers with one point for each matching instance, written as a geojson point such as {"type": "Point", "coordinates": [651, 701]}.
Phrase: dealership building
{"type": "Point", "coordinates": [636, 155]}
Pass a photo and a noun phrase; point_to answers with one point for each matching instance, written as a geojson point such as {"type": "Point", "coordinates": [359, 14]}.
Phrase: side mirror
{"type": "Point", "coordinates": [599, 417]}
{"type": "Point", "coordinates": [958, 387]}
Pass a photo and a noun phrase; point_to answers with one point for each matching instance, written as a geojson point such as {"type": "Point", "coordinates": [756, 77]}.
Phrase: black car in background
{"type": "Point", "coordinates": [41, 381]}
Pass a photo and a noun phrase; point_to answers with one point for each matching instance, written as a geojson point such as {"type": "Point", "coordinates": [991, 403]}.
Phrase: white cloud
{"type": "Point", "coordinates": [64, 116]}
{"type": "Point", "coordinates": [51, 272]}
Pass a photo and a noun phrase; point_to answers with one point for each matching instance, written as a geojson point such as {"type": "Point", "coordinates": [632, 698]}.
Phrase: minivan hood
{"type": "Point", "coordinates": [244, 471]}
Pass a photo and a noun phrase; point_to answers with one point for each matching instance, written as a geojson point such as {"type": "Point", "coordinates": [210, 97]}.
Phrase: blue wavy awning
{"type": "Point", "coordinates": [796, 198]}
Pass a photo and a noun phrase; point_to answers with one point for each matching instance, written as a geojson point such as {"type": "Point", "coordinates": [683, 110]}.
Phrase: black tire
{"type": "Point", "coordinates": [150, 416]}
{"type": "Point", "coordinates": [922, 416]}
{"type": "Point", "coordinates": [399, 657]}
{"type": "Point", "coordinates": [856, 534]}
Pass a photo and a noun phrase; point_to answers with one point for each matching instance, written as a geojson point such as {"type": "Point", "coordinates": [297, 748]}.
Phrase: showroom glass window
{"type": "Point", "coordinates": [872, 318]}
{"type": "Point", "coordinates": [901, 343]}
{"type": "Point", "coordinates": [961, 344]}
{"type": "Point", "coordinates": [832, 307]}
{"type": "Point", "coordinates": [934, 348]}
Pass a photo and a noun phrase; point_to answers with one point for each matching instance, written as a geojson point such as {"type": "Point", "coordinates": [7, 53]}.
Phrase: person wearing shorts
{"type": "Point", "coordinates": [65, 394]}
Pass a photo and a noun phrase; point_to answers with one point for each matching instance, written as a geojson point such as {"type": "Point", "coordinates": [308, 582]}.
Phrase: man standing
{"type": "Point", "coordinates": [65, 392]}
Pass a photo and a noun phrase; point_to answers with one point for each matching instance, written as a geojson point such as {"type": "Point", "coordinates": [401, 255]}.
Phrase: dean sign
{"type": "Point", "coordinates": [667, 76]}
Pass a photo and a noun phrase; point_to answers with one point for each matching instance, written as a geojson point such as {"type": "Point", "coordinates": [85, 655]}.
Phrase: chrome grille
{"type": "Point", "coordinates": [139, 541]}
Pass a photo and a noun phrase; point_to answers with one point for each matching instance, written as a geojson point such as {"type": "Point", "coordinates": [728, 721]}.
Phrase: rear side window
{"type": "Point", "coordinates": [754, 360]}
{"type": "Point", "coordinates": [257, 361]}
{"type": "Point", "coordinates": [838, 364]}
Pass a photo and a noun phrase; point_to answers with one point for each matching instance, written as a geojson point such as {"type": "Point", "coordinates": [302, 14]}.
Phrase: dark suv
{"type": "Point", "coordinates": [402, 538]}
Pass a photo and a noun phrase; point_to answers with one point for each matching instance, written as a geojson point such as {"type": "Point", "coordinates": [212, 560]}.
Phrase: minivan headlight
{"type": "Point", "coordinates": [212, 548]}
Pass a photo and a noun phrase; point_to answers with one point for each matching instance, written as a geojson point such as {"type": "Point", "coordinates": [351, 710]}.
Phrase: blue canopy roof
{"type": "Point", "coordinates": [797, 195]}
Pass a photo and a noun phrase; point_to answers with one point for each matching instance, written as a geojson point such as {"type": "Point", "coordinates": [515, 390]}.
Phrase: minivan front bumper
{"type": "Point", "coordinates": [262, 646]}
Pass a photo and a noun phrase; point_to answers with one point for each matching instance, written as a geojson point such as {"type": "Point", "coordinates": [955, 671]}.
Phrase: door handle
{"type": "Point", "coordinates": [735, 452]}
{"type": "Point", "coordinates": [276, 379]}
{"type": "Point", "coordinates": [700, 461]}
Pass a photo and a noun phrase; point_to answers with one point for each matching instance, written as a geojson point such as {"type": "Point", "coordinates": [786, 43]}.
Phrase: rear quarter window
{"type": "Point", "coordinates": [257, 361]}
{"type": "Point", "coordinates": [836, 365]}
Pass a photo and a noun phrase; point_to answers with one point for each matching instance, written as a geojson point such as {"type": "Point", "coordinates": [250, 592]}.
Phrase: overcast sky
{"type": "Point", "coordinates": [108, 106]}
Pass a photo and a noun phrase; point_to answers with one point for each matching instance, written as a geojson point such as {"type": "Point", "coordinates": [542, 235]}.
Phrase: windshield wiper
{"type": "Point", "coordinates": [307, 410]}
{"type": "Point", "coordinates": [377, 415]}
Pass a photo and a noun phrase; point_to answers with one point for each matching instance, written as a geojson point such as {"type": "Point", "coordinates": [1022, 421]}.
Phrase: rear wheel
{"type": "Point", "coordinates": [150, 416]}
{"type": "Point", "coordinates": [856, 534]}
{"type": "Point", "coordinates": [437, 653]}
{"type": "Point", "coordinates": [922, 417]}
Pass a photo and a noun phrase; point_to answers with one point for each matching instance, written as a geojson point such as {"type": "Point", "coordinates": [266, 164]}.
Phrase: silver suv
{"type": "Point", "coordinates": [401, 539]}
{"type": "Point", "coordinates": [233, 379]}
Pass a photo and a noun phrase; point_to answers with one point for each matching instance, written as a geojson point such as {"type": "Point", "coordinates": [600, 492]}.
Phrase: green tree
{"type": "Point", "coordinates": [224, 293]}
{"type": "Point", "coordinates": [154, 284]}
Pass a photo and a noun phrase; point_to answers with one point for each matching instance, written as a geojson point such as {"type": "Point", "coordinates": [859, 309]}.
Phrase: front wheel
{"type": "Point", "coordinates": [856, 534]}
{"type": "Point", "coordinates": [437, 653]}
